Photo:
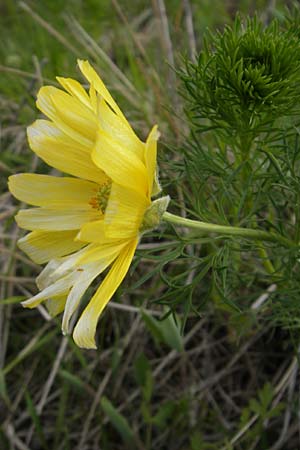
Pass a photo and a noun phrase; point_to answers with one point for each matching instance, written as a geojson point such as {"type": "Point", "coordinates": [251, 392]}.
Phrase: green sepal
{"type": "Point", "coordinates": [153, 215]}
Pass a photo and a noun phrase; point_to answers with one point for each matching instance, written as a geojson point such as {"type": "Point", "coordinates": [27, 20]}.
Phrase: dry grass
{"type": "Point", "coordinates": [201, 397]}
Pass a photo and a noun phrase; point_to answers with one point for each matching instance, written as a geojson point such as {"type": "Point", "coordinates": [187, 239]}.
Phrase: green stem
{"type": "Point", "coordinates": [248, 233]}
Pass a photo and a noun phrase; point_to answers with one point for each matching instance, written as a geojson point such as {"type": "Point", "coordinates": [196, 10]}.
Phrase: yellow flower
{"type": "Point", "coordinates": [83, 225]}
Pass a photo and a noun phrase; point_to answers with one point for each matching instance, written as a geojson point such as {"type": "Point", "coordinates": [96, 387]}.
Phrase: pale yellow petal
{"type": "Point", "coordinates": [156, 187]}
{"type": "Point", "coordinates": [94, 79]}
{"type": "Point", "coordinates": [60, 288]}
{"type": "Point", "coordinates": [63, 153]}
{"type": "Point", "coordinates": [150, 158]}
{"type": "Point", "coordinates": [44, 219]}
{"type": "Point", "coordinates": [69, 114]}
{"type": "Point", "coordinates": [120, 131]}
{"type": "Point", "coordinates": [52, 192]}
{"type": "Point", "coordinates": [41, 246]}
{"type": "Point", "coordinates": [121, 165]}
{"type": "Point", "coordinates": [84, 332]}
{"type": "Point", "coordinates": [56, 305]}
{"type": "Point", "coordinates": [124, 213]}
{"type": "Point", "coordinates": [85, 278]}
{"type": "Point", "coordinates": [90, 254]}
{"type": "Point", "coordinates": [48, 275]}
{"type": "Point", "coordinates": [69, 263]}
{"type": "Point", "coordinates": [46, 128]}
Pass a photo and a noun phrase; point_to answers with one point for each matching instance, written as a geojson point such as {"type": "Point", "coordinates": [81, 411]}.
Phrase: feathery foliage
{"type": "Point", "coordinates": [243, 160]}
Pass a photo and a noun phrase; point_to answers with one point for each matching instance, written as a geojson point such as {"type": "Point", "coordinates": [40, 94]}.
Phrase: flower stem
{"type": "Point", "coordinates": [248, 233]}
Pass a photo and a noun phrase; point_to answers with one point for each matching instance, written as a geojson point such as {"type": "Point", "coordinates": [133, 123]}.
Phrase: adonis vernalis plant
{"type": "Point", "coordinates": [85, 224]}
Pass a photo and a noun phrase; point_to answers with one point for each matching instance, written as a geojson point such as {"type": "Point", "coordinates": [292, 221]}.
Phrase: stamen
{"type": "Point", "coordinates": [101, 199]}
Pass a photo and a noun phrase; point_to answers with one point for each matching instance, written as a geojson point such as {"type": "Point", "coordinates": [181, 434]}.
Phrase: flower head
{"type": "Point", "coordinates": [85, 223]}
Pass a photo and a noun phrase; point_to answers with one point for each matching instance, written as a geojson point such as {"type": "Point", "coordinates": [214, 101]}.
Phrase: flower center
{"type": "Point", "coordinates": [101, 198]}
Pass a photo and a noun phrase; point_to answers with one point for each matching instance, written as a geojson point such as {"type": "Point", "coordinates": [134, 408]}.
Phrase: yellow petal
{"type": "Point", "coordinates": [84, 332]}
{"type": "Point", "coordinates": [75, 89]}
{"type": "Point", "coordinates": [94, 79]}
{"type": "Point", "coordinates": [75, 114]}
{"type": "Point", "coordinates": [92, 232]}
{"type": "Point", "coordinates": [96, 252]}
{"type": "Point", "coordinates": [150, 157]}
{"type": "Point", "coordinates": [122, 166]}
{"type": "Point", "coordinates": [93, 99]}
{"type": "Point", "coordinates": [68, 113]}
{"type": "Point", "coordinates": [124, 213]}
{"type": "Point", "coordinates": [61, 152]}
{"type": "Point", "coordinates": [55, 220]}
{"type": "Point", "coordinates": [119, 130]}
{"type": "Point", "coordinates": [41, 246]}
{"type": "Point", "coordinates": [53, 192]}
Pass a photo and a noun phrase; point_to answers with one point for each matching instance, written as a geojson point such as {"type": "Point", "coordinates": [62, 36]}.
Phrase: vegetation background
{"type": "Point", "coordinates": [209, 377]}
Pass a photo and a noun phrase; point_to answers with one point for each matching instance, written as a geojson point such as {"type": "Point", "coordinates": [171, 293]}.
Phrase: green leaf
{"type": "Point", "coordinates": [266, 395]}
{"type": "Point", "coordinates": [163, 414]}
{"type": "Point", "coordinates": [143, 375]}
{"type": "Point", "coordinates": [148, 388]}
{"type": "Point", "coordinates": [12, 300]}
{"type": "Point", "coordinates": [153, 326]}
{"type": "Point", "coordinates": [166, 330]}
{"type": "Point", "coordinates": [116, 359]}
{"type": "Point", "coordinates": [146, 412]}
{"type": "Point", "coordinates": [141, 367]}
{"type": "Point", "coordinates": [3, 389]}
{"type": "Point", "coordinates": [72, 379]}
{"type": "Point", "coordinates": [196, 441]}
{"type": "Point", "coordinates": [35, 419]}
{"type": "Point", "coordinates": [119, 422]}
{"type": "Point", "coordinates": [170, 328]}
{"type": "Point", "coordinates": [35, 344]}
